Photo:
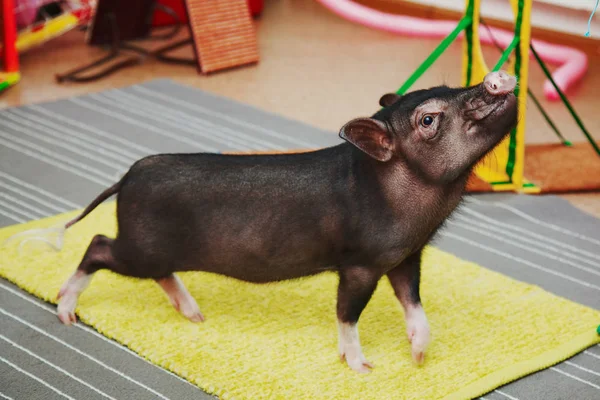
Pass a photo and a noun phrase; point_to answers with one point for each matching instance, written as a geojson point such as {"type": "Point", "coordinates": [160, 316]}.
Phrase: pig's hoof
{"type": "Point", "coordinates": [196, 317]}
{"type": "Point", "coordinates": [189, 309]}
{"type": "Point", "coordinates": [418, 357]}
{"type": "Point", "coordinates": [66, 315]}
{"type": "Point", "coordinates": [66, 308]}
{"type": "Point", "coordinates": [67, 318]}
{"type": "Point", "coordinates": [418, 336]}
{"type": "Point", "coordinates": [358, 364]}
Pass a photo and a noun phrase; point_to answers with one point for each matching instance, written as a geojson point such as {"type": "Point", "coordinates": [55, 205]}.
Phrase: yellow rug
{"type": "Point", "coordinates": [279, 341]}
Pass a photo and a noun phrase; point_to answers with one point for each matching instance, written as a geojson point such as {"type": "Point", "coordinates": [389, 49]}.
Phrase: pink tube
{"type": "Point", "coordinates": [572, 63]}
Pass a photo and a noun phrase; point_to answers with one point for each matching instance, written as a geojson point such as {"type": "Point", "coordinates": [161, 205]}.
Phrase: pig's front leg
{"type": "Point", "coordinates": [405, 280]}
{"type": "Point", "coordinates": [356, 287]}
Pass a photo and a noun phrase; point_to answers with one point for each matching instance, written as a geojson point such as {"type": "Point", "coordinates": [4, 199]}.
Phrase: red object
{"type": "Point", "coordinates": [256, 7]}
{"type": "Point", "coordinates": [9, 33]}
{"type": "Point", "coordinates": [162, 19]}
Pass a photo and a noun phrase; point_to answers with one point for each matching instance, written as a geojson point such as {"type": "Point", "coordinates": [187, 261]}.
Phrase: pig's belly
{"type": "Point", "coordinates": [255, 271]}
{"type": "Point", "coordinates": [260, 261]}
{"type": "Point", "coordinates": [263, 250]}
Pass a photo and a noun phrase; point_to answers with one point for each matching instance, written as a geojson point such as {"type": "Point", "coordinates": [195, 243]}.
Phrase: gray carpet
{"type": "Point", "coordinates": [57, 156]}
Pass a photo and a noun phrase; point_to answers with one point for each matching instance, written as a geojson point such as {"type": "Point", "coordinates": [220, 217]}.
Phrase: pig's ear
{"type": "Point", "coordinates": [369, 135]}
{"type": "Point", "coordinates": [388, 99]}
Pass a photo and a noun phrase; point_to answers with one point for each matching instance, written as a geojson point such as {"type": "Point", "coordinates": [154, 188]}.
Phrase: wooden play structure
{"type": "Point", "coordinates": [223, 34]}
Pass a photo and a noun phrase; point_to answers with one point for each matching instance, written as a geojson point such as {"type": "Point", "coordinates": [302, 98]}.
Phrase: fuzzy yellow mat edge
{"type": "Point", "coordinates": [521, 369]}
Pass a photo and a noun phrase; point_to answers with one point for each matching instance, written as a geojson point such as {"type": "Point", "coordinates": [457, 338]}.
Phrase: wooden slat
{"type": "Point", "coordinates": [223, 34]}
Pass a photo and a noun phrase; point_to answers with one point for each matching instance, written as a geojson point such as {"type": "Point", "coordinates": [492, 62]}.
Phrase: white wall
{"type": "Point", "coordinates": [569, 16]}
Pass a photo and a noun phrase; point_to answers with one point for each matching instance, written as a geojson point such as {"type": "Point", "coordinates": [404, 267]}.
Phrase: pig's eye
{"type": "Point", "coordinates": [427, 120]}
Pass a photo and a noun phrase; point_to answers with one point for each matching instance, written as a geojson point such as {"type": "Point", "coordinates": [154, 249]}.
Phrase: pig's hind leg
{"type": "Point", "coordinates": [99, 255]}
{"type": "Point", "coordinates": [180, 298]}
{"type": "Point", "coordinates": [405, 280]}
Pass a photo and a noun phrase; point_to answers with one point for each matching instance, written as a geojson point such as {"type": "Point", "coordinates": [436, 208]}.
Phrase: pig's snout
{"type": "Point", "coordinates": [499, 83]}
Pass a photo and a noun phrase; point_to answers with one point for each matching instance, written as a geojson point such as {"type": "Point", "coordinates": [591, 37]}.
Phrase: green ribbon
{"type": "Point", "coordinates": [462, 24]}
{"type": "Point", "coordinates": [565, 101]}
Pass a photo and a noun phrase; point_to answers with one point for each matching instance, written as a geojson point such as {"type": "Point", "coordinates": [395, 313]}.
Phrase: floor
{"type": "Point", "coordinates": [318, 54]}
